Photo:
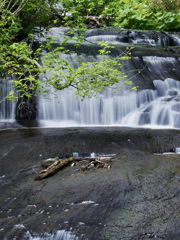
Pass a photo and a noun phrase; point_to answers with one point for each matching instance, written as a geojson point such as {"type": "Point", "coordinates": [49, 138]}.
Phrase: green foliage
{"type": "Point", "coordinates": [31, 13]}
{"type": "Point", "coordinates": [19, 61]}
{"type": "Point", "coordinates": [166, 5]}
{"type": "Point", "coordinates": [131, 14]}
{"type": "Point", "coordinates": [90, 77]}
{"type": "Point", "coordinates": [16, 57]}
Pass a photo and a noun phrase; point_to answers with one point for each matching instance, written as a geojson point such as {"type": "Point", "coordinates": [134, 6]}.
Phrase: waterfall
{"type": "Point", "coordinates": [153, 105]}
{"type": "Point", "coordinates": [159, 107]}
{"type": "Point", "coordinates": [59, 235]}
{"type": "Point", "coordinates": [7, 108]}
{"type": "Point", "coordinates": [156, 104]}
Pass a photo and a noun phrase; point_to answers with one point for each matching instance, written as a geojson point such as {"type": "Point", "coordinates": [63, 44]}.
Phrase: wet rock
{"type": "Point", "coordinates": [167, 99]}
{"type": "Point", "coordinates": [139, 194]}
{"type": "Point", "coordinates": [172, 150]}
{"type": "Point", "coordinates": [26, 110]}
{"type": "Point", "coordinates": [18, 232]}
{"type": "Point", "coordinates": [172, 92]}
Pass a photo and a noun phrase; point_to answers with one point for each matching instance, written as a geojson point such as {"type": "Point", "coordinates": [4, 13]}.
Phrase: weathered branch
{"type": "Point", "coordinates": [95, 163]}
{"type": "Point", "coordinates": [4, 98]}
{"type": "Point", "coordinates": [21, 6]}
{"type": "Point", "coordinates": [97, 18]}
{"type": "Point", "coordinates": [2, 5]}
{"type": "Point", "coordinates": [35, 62]}
{"type": "Point", "coordinates": [52, 169]}
{"type": "Point", "coordinates": [8, 6]}
{"type": "Point", "coordinates": [19, 9]}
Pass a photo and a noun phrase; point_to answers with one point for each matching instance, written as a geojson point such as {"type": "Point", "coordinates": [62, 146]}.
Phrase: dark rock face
{"type": "Point", "coordinates": [172, 92]}
{"type": "Point", "coordinates": [138, 198]}
{"type": "Point", "coordinates": [26, 110]}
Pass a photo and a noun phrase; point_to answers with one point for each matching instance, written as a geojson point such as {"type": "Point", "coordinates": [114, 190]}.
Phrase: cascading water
{"type": "Point", "coordinates": [160, 107]}
{"type": "Point", "coordinates": [156, 104]}
{"type": "Point", "coordinates": [7, 108]}
{"type": "Point", "coordinates": [157, 53]}
{"type": "Point", "coordinates": [59, 235]}
{"type": "Point", "coordinates": [162, 110]}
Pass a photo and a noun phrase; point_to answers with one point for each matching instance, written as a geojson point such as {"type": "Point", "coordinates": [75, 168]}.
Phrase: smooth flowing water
{"type": "Point", "coordinates": [7, 108]}
{"type": "Point", "coordinates": [156, 102]}
{"type": "Point", "coordinates": [148, 108]}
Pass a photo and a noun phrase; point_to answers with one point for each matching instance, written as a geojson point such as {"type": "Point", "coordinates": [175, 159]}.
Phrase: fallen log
{"type": "Point", "coordinates": [98, 162]}
{"type": "Point", "coordinates": [52, 169]}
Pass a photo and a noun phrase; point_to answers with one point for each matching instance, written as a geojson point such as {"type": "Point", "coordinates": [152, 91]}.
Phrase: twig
{"type": "Point", "coordinates": [34, 170]}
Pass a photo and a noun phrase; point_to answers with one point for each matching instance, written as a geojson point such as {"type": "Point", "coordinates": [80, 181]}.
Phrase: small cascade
{"type": "Point", "coordinates": [165, 67]}
{"type": "Point", "coordinates": [177, 150]}
{"type": "Point", "coordinates": [162, 111]}
{"type": "Point", "coordinates": [153, 38]}
{"type": "Point", "coordinates": [59, 235]}
{"type": "Point", "coordinates": [174, 151]}
{"type": "Point", "coordinates": [158, 108]}
{"type": "Point", "coordinates": [7, 108]}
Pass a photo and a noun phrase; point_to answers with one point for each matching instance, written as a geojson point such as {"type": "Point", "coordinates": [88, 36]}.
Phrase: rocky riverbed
{"type": "Point", "coordinates": [137, 198]}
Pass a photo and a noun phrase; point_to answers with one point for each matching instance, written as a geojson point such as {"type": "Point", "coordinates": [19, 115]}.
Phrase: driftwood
{"type": "Point", "coordinates": [53, 168]}
{"type": "Point", "coordinates": [98, 162]}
